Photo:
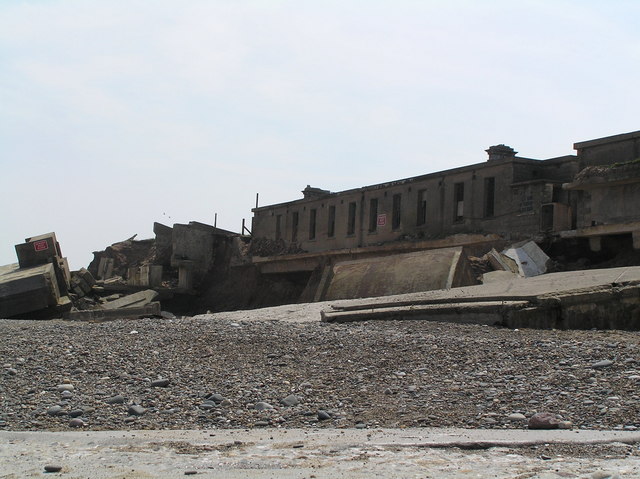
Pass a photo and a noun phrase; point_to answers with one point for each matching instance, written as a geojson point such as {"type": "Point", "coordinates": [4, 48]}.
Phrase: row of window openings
{"type": "Point", "coordinates": [458, 214]}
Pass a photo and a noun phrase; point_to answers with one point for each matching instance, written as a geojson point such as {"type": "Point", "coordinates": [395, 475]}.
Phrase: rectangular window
{"type": "Point", "coordinates": [294, 226]}
{"type": "Point", "coordinates": [351, 222]}
{"type": "Point", "coordinates": [489, 197]}
{"type": "Point", "coordinates": [422, 208]}
{"type": "Point", "coordinates": [278, 227]}
{"type": "Point", "coordinates": [397, 212]}
{"type": "Point", "coordinates": [312, 224]}
{"type": "Point", "coordinates": [331, 225]}
{"type": "Point", "coordinates": [373, 215]}
{"type": "Point", "coordinates": [458, 201]}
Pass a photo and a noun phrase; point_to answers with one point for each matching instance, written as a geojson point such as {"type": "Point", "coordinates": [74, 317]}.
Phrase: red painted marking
{"type": "Point", "coordinates": [40, 245]}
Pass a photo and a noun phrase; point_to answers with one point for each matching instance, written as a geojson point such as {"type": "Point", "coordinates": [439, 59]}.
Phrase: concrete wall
{"type": "Point", "coordinates": [611, 149]}
{"type": "Point", "coordinates": [399, 274]}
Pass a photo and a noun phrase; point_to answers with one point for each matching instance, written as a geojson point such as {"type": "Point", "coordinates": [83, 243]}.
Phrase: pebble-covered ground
{"type": "Point", "coordinates": [206, 373]}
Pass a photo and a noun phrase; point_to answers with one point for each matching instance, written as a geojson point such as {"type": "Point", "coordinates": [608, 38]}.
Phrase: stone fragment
{"type": "Point", "coordinates": [261, 406]}
{"type": "Point", "coordinates": [516, 416]}
{"type": "Point", "coordinates": [115, 400]}
{"type": "Point", "coordinates": [543, 420]}
{"type": "Point", "coordinates": [65, 387]}
{"type": "Point", "coordinates": [52, 468]}
{"type": "Point", "coordinates": [76, 422]}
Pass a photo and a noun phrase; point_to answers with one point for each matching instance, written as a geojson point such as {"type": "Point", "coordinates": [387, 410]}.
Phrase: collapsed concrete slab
{"type": "Point", "coordinates": [133, 312]}
{"type": "Point", "coordinates": [139, 299]}
{"type": "Point", "coordinates": [400, 273]}
{"type": "Point", "coordinates": [529, 259]}
{"type": "Point", "coordinates": [30, 290]}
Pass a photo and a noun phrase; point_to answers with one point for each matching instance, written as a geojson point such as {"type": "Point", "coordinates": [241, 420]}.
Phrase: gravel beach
{"type": "Point", "coordinates": [281, 367]}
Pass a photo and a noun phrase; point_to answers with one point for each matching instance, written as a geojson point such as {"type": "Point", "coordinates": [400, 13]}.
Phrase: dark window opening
{"type": "Point", "coordinates": [312, 223]}
{"type": "Point", "coordinates": [458, 201]}
{"type": "Point", "coordinates": [278, 227]}
{"type": "Point", "coordinates": [489, 197]}
{"type": "Point", "coordinates": [351, 223]}
{"type": "Point", "coordinates": [331, 226]}
{"type": "Point", "coordinates": [373, 215]}
{"type": "Point", "coordinates": [422, 208]}
{"type": "Point", "coordinates": [294, 226]}
{"type": "Point", "coordinates": [397, 212]}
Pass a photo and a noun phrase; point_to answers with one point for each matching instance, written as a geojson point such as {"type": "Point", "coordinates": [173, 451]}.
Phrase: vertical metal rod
{"type": "Point", "coordinates": [242, 232]}
{"type": "Point", "coordinates": [257, 195]}
{"type": "Point", "coordinates": [215, 220]}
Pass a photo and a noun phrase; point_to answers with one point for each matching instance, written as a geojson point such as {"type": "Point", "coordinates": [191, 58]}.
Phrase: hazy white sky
{"type": "Point", "coordinates": [115, 114]}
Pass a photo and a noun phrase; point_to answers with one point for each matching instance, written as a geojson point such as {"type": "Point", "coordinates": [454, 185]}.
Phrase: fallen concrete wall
{"type": "Point", "coordinates": [602, 299]}
{"type": "Point", "coordinates": [398, 274]}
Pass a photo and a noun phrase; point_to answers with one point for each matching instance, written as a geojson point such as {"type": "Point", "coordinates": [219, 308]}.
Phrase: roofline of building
{"type": "Point", "coordinates": [607, 139]}
{"type": "Point", "coordinates": [412, 179]}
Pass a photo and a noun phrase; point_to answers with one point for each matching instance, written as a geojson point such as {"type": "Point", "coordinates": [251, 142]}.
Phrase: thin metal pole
{"type": "Point", "coordinates": [215, 220]}
{"type": "Point", "coordinates": [257, 196]}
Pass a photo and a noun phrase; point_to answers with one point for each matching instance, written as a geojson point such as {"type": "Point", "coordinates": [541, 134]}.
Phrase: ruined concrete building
{"type": "Point", "coordinates": [591, 194]}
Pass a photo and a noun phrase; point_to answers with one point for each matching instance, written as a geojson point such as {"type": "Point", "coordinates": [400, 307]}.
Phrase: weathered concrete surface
{"type": "Point", "coordinates": [296, 453]}
{"type": "Point", "coordinates": [145, 311]}
{"type": "Point", "coordinates": [399, 274]}
{"type": "Point", "coordinates": [137, 300]}
{"type": "Point", "coordinates": [603, 298]}
{"type": "Point", "coordinates": [24, 290]}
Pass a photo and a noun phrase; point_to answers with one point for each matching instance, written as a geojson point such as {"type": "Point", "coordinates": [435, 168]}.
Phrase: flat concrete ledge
{"type": "Point", "coordinates": [321, 453]}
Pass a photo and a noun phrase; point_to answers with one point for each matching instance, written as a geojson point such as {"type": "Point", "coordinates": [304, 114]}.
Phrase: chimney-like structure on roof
{"type": "Point", "coordinates": [311, 192]}
{"type": "Point", "coordinates": [501, 152]}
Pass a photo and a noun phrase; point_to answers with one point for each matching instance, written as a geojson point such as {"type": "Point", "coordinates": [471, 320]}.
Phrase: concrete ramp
{"type": "Point", "coordinates": [399, 274]}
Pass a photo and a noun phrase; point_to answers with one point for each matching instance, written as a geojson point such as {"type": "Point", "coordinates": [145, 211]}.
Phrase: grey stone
{"type": "Point", "coordinates": [516, 416]}
{"type": "Point", "coordinates": [136, 410]}
{"type": "Point", "coordinates": [12, 371]}
{"type": "Point", "coordinates": [76, 413]}
{"type": "Point", "coordinates": [602, 364]}
{"type": "Point", "coordinates": [65, 387]}
{"type": "Point", "coordinates": [52, 468]}
{"type": "Point", "coordinates": [55, 411]}
{"type": "Point", "coordinates": [216, 397]}
{"type": "Point", "coordinates": [262, 423]}
{"type": "Point", "coordinates": [261, 406]}
{"type": "Point", "coordinates": [291, 400]}
{"type": "Point", "coordinates": [115, 400]}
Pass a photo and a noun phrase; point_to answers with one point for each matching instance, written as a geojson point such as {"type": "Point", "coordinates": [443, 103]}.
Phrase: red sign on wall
{"type": "Point", "coordinates": [382, 220]}
{"type": "Point", "coordinates": [40, 245]}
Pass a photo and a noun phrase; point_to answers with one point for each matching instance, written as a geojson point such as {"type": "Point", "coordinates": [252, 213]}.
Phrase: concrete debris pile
{"type": "Point", "coordinates": [40, 286]}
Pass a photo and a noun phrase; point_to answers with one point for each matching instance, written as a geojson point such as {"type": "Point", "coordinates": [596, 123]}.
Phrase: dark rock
{"type": "Point", "coordinates": [76, 413]}
{"type": "Point", "coordinates": [115, 400]}
{"type": "Point", "coordinates": [76, 422]}
{"type": "Point", "coordinates": [323, 415]}
{"type": "Point", "coordinates": [160, 383]}
{"type": "Point", "coordinates": [52, 468]}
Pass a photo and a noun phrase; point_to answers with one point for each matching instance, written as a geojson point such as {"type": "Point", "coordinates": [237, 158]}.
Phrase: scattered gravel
{"type": "Point", "coordinates": [214, 373]}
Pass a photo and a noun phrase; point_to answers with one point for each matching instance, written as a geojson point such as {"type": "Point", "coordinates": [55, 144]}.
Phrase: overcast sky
{"type": "Point", "coordinates": [115, 114]}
